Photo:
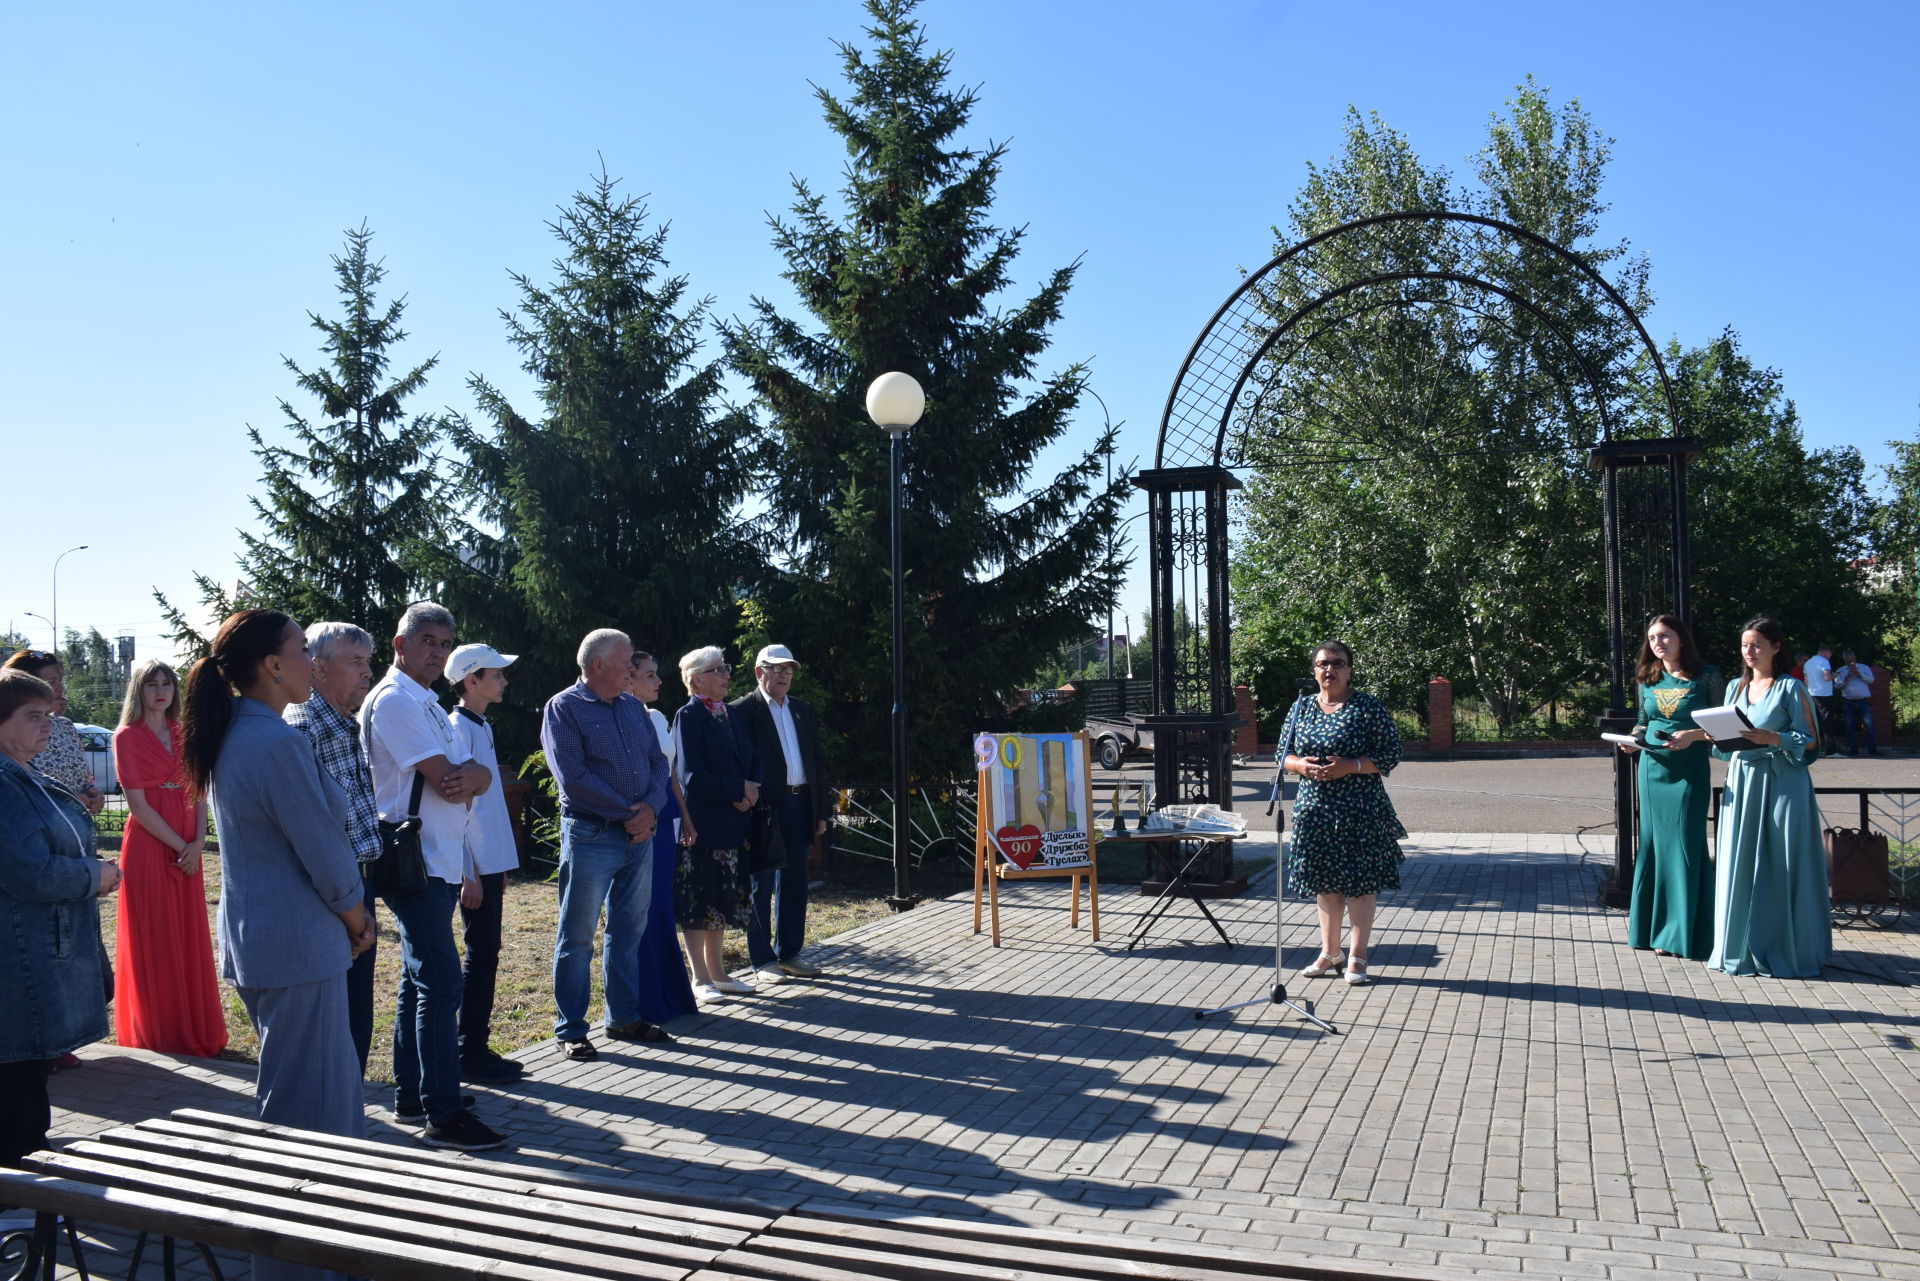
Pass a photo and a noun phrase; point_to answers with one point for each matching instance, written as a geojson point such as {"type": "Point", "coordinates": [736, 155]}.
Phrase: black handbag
{"type": "Point", "coordinates": [766, 844]}
{"type": "Point", "coordinates": [401, 867]}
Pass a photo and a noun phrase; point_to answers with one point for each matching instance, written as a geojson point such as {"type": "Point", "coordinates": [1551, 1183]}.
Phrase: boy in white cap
{"type": "Point", "coordinates": [479, 678]}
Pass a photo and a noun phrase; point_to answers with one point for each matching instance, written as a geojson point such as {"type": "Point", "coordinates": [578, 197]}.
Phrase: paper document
{"type": "Point", "coordinates": [1727, 726]}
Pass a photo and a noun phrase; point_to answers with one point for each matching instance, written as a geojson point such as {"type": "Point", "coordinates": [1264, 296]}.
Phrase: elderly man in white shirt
{"type": "Point", "coordinates": [416, 761]}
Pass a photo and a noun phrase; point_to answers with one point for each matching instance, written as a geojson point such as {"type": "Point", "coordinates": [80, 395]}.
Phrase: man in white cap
{"type": "Point", "coordinates": [786, 734]}
{"type": "Point", "coordinates": [478, 674]}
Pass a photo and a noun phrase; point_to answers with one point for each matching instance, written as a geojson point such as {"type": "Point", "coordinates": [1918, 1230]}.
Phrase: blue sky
{"type": "Point", "coordinates": [179, 176]}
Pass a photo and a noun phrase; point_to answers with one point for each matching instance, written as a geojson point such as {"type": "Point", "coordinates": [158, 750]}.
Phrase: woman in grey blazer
{"type": "Point", "coordinates": [291, 915]}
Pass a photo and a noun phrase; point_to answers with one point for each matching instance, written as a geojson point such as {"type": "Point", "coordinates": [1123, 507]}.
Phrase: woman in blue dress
{"type": "Point", "coordinates": [1346, 837]}
{"type": "Point", "coordinates": [1770, 912]}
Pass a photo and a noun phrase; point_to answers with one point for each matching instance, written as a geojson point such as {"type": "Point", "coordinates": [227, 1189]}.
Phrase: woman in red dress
{"type": "Point", "coordinates": [168, 999]}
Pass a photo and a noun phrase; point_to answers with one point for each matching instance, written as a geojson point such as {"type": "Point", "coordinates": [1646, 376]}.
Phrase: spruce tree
{"type": "Point", "coordinates": [353, 517]}
{"type": "Point", "coordinates": [908, 275]}
{"type": "Point", "coordinates": [616, 503]}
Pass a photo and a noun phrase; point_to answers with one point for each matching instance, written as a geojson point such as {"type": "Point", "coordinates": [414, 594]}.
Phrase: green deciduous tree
{"type": "Point", "coordinates": [353, 514]}
{"type": "Point", "coordinates": [615, 503]}
{"type": "Point", "coordinates": [1420, 486]}
{"type": "Point", "coordinates": [1001, 569]}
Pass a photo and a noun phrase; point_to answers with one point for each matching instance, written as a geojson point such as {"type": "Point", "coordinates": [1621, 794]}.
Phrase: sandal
{"type": "Point", "coordinates": [1357, 972]}
{"type": "Point", "coordinates": [1323, 965]}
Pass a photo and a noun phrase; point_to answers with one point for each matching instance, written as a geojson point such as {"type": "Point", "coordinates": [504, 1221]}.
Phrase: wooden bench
{"type": "Point", "coordinates": [395, 1213]}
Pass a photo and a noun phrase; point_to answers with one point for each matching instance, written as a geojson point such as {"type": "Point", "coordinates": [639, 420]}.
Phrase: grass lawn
{"type": "Point", "coordinates": [855, 892]}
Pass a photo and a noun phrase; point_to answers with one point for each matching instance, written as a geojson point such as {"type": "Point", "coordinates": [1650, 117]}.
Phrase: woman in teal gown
{"type": "Point", "coordinates": [1771, 914]}
{"type": "Point", "coordinates": [1672, 907]}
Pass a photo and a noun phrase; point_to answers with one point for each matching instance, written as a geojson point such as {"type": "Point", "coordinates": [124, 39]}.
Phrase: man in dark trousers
{"type": "Point", "coordinates": [786, 734]}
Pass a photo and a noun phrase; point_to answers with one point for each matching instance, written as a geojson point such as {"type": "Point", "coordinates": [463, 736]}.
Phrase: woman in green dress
{"type": "Point", "coordinates": [1771, 911]}
{"type": "Point", "coordinates": [1672, 909]}
{"type": "Point", "coordinates": [1346, 837]}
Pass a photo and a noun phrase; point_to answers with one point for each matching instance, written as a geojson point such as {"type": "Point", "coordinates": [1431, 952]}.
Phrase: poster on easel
{"type": "Point", "coordinates": [1034, 817]}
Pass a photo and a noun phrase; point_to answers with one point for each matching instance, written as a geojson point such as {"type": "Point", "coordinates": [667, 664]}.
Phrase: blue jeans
{"type": "Point", "coordinates": [1859, 719]}
{"type": "Point", "coordinates": [426, 1026]}
{"type": "Point", "coordinates": [777, 930]}
{"type": "Point", "coordinates": [360, 987]}
{"type": "Point", "coordinates": [599, 867]}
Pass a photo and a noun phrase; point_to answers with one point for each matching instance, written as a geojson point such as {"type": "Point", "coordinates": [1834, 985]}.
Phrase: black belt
{"type": "Point", "coordinates": [798, 789]}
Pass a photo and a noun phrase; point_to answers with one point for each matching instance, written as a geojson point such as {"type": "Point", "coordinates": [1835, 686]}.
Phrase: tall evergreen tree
{"type": "Point", "coordinates": [907, 276]}
{"type": "Point", "coordinates": [616, 503]}
{"type": "Point", "coordinates": [353, 517]}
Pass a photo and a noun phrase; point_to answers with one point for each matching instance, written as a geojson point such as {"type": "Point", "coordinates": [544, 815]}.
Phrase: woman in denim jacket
{"type": "Point", "coordinates": [51, 998]}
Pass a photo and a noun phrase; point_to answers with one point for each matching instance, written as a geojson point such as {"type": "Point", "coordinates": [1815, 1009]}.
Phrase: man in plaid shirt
{"type": "Point", "coordinates": [342, 674]}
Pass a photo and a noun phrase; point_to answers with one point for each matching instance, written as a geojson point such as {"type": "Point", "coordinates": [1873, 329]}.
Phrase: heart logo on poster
{"type": "Point", "coordinates": [1020, 844]}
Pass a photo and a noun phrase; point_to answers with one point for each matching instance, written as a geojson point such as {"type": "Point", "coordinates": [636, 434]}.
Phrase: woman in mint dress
{"type": "Point", "coordinates": [1672, 908]}
{"type": "Point", "coordinates": [1771, 914]}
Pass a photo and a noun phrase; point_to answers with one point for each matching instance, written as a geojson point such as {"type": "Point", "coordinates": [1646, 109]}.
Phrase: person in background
{"type": "Point", "coordinates": [786, 735]}
{"type": "Point", "coordinates": [665, 992]}
{"type": "Point", "coordinates": [51, 999]}
{"type": "Point", "coordinates": [1346, 838]}
{"type": "Point", "coordinates": [1854, 683]}
{"type": "Point", "coordinates": [478, 674]}
{"type": "Point", "coordinates": [65, 759]}
{"type": "Point", "coordinates": [1771, 914]}
{"type": "Point", "coordinates": [612, 777]}
{"type": "Point", "coordinates": [1826, 704]}
{"type": "Point", "coordinates": [168, 998]}
{"type": "Point", "coordinates": [290, 912]}
{"type": "Point", "coordinates": [720, 776]}
{"type": "Point", "coordinates": [413, 754]}
{"type": "Point", "coordinates": [1672, 906]}
{"type": "Point", "coordinates": [342, 657]}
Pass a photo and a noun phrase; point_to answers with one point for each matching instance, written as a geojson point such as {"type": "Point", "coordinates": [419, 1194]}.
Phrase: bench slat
{"type": "Point", "coordinates": [749, 1213]}
{"type": "Point", "coordinates": [1115, 1253]}
{"type": "Point", "coordinates": [319, 1245]}
{"type": "Point", "coordinates": [401, 1225]}
{"type": "Point", "coordinates": [224, 1162]}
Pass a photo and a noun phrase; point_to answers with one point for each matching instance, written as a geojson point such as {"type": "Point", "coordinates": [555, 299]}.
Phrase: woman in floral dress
{"type": "Point", "coordinates": [1346, 838]}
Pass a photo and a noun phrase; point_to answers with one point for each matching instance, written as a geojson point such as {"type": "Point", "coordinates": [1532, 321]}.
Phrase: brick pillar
{"type": "Point", "coordinates": [1246, 738]}
{"type": "Point", "coordinates": [1440, 716]}
{"type": "Point", "coordinates": [1882, 704]}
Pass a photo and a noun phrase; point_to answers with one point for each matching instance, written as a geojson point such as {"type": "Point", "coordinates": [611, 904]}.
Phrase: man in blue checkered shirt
{"type": "Point", "coordinates": [342, 674]}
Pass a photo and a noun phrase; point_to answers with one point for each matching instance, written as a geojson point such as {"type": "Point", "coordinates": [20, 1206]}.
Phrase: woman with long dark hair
{"type": "Point", "coordinates": [168, 997]}
{"type": "Point", "coordinates": [1346, 838]}
{"type": "Point", "coordinates": [1770, 911]}
{"type": "Point", "coordinates": [1672, 907]}
{"type": "Point", "coordinates": [291, 912]}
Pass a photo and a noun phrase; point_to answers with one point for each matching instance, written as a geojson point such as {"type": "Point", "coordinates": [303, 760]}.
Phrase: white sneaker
{"type": "Point", "coordinates": [707, 994]}
{"type": "Point", "coordinates": [770, 973]}
{"type": "Point", "coordinates": [734, 986]}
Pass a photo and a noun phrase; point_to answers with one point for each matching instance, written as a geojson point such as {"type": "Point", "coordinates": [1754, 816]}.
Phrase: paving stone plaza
{"type": "Point", "coordinates": [1517, 1093]}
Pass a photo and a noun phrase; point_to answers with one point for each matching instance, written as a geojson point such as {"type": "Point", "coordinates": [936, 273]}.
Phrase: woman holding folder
{"type": "Point", "coordinates": [1771, 915]}
{"type": "Point", "coordinates": [1672, 908]}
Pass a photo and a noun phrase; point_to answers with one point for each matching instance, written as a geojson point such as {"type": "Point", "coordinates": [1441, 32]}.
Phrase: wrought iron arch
{"type": "Point", "coordinates": [1197, 451]}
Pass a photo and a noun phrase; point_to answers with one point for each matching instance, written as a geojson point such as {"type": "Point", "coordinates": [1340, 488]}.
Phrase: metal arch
{"type": "Point", "coordinates": [1302, 313]}
{"type": "Point", "coordinates": [1579, 264]}
{"type": "Point", "coordinates": [1492, 317]}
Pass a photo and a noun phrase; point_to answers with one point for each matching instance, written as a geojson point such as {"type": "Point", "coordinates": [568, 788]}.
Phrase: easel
{"type": "Point", "coordinates": [990, 867]}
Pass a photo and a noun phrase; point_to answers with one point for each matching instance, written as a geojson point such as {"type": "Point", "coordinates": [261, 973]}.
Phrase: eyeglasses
{"type": "Point", "coordinates": [1331, 662]}
{"type": "Point", "coordinates": [722, 668]}
{"type": "Point", "coordinates": [37, 655]}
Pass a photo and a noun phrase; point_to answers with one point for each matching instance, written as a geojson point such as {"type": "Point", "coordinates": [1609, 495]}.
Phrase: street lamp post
{"type": "Point", "coordinates": [895, 403]}
{"type": "Point", "coordinates": [56, 591]}
{"type": "Point", "coordinates": [50, 627]}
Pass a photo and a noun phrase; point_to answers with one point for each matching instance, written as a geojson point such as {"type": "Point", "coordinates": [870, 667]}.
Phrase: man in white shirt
{"type": "Point", "coordinates": [1826, 705]}
{"type": "Point", "coordinates": [408, 739]}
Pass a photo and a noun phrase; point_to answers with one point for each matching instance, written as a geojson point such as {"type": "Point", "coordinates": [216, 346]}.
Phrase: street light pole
{"type": "Point", "coordinates": [50, 627]}
{"type": "Point", "coordinates": [895, 403]}
{"type": "Point", "coordinates": [56, 591]}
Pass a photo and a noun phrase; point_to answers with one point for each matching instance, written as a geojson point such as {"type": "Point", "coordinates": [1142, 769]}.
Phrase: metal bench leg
{"type": "Point", "coordinates": [139, 1248]}
{"type": "Point", "coordinates": [213, 1266]}
{"type": "Point", "coordinates": [79, 1258]}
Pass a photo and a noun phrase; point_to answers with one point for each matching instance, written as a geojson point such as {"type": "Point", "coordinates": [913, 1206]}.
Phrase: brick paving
{"type": "Point", "coordinates": [1519, 1093]}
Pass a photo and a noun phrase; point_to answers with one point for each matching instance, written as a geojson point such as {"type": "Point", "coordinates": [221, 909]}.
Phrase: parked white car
{"type": "Point", "coordinates": [98, 740]}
